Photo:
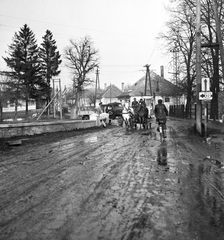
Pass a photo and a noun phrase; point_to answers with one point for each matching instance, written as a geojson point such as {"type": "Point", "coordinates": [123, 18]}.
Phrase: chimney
{"type": "Point", "coordinates": [162, 71]}
{"type": "Point", "coordinates": [122, 87]}
{"type": "Point", "coordinates": [105, 86]}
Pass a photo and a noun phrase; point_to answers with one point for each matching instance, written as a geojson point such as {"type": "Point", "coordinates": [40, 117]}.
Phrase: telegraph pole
{"type": "Point", "coordinates": [175, 72]}
{"type": "Point", "coordinates": [97, 86]}
{"type": "Point", "coordinates": [198, 67]}
{"type": "Point", "coordinates": [218, 31]}
{"type": "Point", "coordinates": [147, 77]}
{"type": "Point", "coordinates": [59, 102]}
{"type": "Point", "coordinates": [110, 92]}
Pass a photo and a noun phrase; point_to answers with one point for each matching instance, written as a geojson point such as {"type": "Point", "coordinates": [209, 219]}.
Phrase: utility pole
{"type": "Point", "coordinates": [58, 101]}
{"type": "Point", "coordinates": [218, 31]}
{"type": "Point", "coordinates": [198, 67]}
{"type": "Point", "coordinates": [147, 77]}
{"type": "Point", "coordinates": [97, 85]}
{"type": "Point", "coordinates": [60, 98]}
{"type": "Point", "coordinates": [53, 100]}
{"type": "Point", "coordinates": [110, 92]}
{"type": "Point", "coordinates": [175, 72]}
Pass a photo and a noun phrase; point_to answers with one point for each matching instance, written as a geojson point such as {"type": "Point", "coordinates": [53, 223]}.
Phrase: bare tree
{"type": "Point", "coordinates": [181, 32]}
{"type": "Point", "coordinates": [81, 58]}
{"type": "Point", "coordinates": [180, 36]}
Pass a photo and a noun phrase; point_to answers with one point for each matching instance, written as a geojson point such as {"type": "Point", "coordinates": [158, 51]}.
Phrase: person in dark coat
{"type": "Point", "coordinates": [161, 112]}
{"type": "Point", "coordinates": [135, 105]}
{"type": "Point", "coordinates": [142, 103]}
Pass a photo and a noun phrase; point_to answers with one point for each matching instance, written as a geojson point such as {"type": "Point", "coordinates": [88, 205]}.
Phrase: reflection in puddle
{"type": "Point", "coordinates": [151, 134]}
{"type": "Point", "coordinates": [91, 139]}
{"type": "Point", "coordinates": [162, 156]}
{"type": "Point", "coordinates": [207, 183]}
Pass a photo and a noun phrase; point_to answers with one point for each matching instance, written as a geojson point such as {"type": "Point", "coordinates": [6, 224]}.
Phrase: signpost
{"type": "Point", "coordinates": [206, 96]}
{"type": "Point", "coordinates": [205, 84]}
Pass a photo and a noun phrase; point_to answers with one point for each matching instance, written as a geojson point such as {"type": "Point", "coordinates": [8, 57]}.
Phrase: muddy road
{"type": "Point", "coordinates": [106, 184]}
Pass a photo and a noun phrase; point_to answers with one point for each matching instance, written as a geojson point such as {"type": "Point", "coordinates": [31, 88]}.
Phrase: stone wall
{"type": "Point", "coordinates": [23, 129]}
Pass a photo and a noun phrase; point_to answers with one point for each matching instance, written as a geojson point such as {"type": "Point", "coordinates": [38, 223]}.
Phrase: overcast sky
{"type": "Point", "coordinates": [124, 31]}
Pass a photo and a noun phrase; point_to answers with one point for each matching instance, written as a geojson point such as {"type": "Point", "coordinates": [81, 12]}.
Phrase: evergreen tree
{"type": "Point", "coordinates": [50, 60]}
{"type": "Point", "coordinates": [24, 63]}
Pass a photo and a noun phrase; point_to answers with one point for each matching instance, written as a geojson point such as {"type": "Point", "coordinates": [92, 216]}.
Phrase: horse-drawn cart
{"type": "Point", "coordinates": [142, 117]}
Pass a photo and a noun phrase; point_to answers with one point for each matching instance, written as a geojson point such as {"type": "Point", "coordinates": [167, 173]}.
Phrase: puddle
{"type": "Point", "coordinates": [91, 139]}
{"type": "Point", "coordinates": [115, 188]}
{"type": "Point", "coordinates": [207, 185]}
{"type": "Point", "coordinates": [214, 161]}
{"type": "Point", "coordinates": [162, 156]}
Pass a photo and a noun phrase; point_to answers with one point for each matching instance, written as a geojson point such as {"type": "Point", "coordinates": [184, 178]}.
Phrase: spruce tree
{"type": "Point", "coordinates": [50, 60]}
{"type": "Point", "coordinates": [24, 63]}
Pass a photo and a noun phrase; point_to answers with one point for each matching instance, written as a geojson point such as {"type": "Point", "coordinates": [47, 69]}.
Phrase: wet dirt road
{"type": "Point", "coordinates": [104, 184]}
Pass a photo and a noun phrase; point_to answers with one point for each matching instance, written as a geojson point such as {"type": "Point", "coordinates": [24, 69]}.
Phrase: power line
{"type": "Point", "coordinates": [70, 26]}
{"type": "Point", "coordinates": [63, 36]}
{"type": "Point", "coordinates": [119, 65]}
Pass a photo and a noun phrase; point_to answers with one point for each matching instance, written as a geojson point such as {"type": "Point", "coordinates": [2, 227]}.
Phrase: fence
{"type": "Point", "coordinates": [179, 111]}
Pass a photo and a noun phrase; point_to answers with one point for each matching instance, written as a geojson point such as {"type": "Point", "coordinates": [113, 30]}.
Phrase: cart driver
{"type": "Point", "coordinates": [135, 105]}
{"type": "Point", "coordinates": [142, 103]}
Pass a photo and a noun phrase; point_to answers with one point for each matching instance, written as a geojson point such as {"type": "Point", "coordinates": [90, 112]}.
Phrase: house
{"type": "Point", "coordinates": [161, 88]}
{"type": "Point", "coordinates": [110, 94]}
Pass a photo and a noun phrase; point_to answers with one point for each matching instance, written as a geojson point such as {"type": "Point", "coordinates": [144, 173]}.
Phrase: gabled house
{"type": "Point", "coordinates": [161, 88]}
{"type": "Point", "coordinates": [110, 94]}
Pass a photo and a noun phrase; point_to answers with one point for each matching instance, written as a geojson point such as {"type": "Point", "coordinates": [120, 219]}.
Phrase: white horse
{"type": "Point", "coordinates": [127, 114]}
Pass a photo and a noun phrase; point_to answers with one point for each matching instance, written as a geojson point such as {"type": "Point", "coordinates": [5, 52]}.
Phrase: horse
{"type": "Point", "coordinates": [142, 116]}
{"type": "Point", "coordinates": [128, 115]}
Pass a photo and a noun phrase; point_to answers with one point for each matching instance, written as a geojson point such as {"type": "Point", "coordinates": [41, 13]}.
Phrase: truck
{"type": "Point", "coordinates": [114, 110]}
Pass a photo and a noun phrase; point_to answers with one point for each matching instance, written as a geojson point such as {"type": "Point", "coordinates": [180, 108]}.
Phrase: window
{"type": "Point", "coordinates": [167, 99]}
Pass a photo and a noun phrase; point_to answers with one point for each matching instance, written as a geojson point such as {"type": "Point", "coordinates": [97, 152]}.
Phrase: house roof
{"type": "Point", "coordinates": [111, 92]}
{"type": "Point", "coordinates": [124, 95]}
{"type": "Point", "coordinates": [160, 86]}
